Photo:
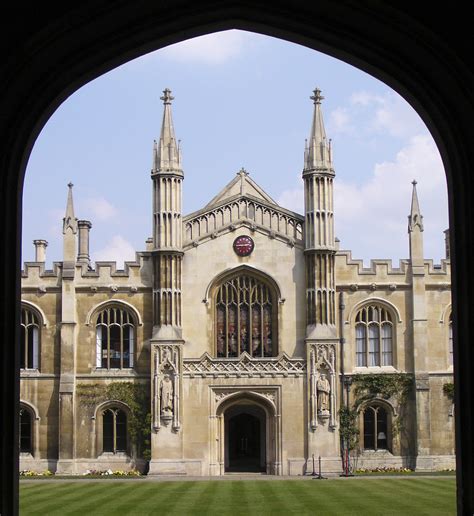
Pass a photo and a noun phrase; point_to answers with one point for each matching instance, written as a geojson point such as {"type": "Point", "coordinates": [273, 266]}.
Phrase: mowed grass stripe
{"type": "Point", "coordinates": [263, 497]}
{"type": "Point", "coordinates": [97, 495]}
{"type": "Point", "coordinates": [116, 501]}
{"type": "Point", "coordinates": [51, 495]}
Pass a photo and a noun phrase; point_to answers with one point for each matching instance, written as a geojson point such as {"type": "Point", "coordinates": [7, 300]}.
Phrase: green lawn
{"type": "Point", "coordinates": [417, 496]}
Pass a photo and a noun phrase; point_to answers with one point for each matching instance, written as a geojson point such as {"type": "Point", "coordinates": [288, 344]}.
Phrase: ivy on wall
{"type": "Point", "coordinates": [448, 389]}
{"type": "Point", "coordinates": [368, 387]}
{"type": "Point", "coordinates": [136, 397]}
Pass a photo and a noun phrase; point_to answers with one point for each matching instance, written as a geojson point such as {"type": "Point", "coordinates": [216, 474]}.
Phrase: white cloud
{"type": "Point", "coordinates": [99, 208]}
{"type": "Point", "coordinates": [117, 249]}
{"type": "Point", "coordinates": [371, 218]}
{"type": "Point", "coordinates": [340, 121]}
{"type": "Point", "coordinates": [211, 49]}
{"type": "Point", "coordinates": [386, 114]}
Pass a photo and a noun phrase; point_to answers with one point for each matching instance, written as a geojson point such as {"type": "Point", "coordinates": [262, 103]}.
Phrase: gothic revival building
{"type": "Point", "coordinates": [245, 328]}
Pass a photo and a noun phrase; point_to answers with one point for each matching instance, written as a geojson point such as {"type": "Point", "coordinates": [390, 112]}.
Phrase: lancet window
{"type": "Point", "coordinates": [245, 318]}
{"type": "Point", "coordinates": [115, 338]}
{"type": "Point", "coordinates": [29, 339]}
{"type": "Point", "coordinates": [114, 430]}
{"type": "Point", "coordinates": [374, 337]}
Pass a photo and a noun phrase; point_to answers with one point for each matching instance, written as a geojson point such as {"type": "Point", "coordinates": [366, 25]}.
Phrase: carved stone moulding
{"type": "Point", "coordinates": [244, 367]}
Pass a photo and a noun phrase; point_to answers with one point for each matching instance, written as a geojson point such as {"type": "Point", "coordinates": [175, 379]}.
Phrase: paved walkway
{"type": "Point", "coordinates": [228, 476]}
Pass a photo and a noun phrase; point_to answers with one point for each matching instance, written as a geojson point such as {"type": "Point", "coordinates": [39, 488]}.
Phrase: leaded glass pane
{"type": "Point", "coordinates": [386, 344]}
{"type": "Point", "coordinates": [244, 318]}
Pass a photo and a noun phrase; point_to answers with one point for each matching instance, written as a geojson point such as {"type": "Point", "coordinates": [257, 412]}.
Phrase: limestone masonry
{"type": "Point", "coordinates": [248, 330]}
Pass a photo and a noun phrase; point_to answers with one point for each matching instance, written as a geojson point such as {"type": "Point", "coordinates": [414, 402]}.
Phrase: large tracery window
{"type": "Point", "coordinates": [115, 338]}
{"type": "Point", "coordinates": [374, 337]}
{"type": "Point", "coordinates": [245, 318]}
{"type": "Point", "coordinates": [29, 339]}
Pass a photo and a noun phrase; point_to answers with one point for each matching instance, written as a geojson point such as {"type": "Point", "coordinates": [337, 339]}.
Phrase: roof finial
{"type": "Point", "coordinates": [167, 98]}
{"type": "Point", "coordinates": [317, 97]}
{"type": "Point", "coordinates": [69, 220]}
{"type": "Point", "coordinates": [317, 154]}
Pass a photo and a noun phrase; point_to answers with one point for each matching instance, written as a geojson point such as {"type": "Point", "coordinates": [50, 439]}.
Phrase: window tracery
{"type": "Point", "coordinates": [374, 337]}
{"type": "Point", "coordinates": [245, 318]}
{"type": "Point", "coordinates": [29, 339]}
{"type": "Point", "coordinates": [115, 338]}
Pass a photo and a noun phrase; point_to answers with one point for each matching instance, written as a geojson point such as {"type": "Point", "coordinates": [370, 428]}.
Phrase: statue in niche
{"type": "Point", "coordinates": [166, 395]}
{"type": "Point", "coordinates": [324, 388]}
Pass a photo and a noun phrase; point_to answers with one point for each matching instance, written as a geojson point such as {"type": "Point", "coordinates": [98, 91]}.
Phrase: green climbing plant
{"type": "Point", "coordinates": [348, 427]}
{"type": "Point", "coordinates": [396, 386]}
{"type": "Point", "coordinates": [448, 389]}
{"type": "Point", "coordinates": [368, 386]}
{"type": "Point", "coordinates": [136, 397]}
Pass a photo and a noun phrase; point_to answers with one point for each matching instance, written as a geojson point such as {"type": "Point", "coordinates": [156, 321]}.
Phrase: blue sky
{"type": "Point", "coordinates": [241, 100]}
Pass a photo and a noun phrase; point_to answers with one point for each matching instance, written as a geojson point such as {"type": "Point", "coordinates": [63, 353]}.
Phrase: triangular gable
{"type": "Point", "coordinates": [242, 184]}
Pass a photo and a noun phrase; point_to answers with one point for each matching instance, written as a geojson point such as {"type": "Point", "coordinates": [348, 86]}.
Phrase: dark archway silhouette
{"type": "Point", "coordinates": [425, 55]}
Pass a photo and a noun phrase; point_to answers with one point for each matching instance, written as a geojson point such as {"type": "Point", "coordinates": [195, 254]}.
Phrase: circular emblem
{"type": "Point", "coordinates": [243, 245]}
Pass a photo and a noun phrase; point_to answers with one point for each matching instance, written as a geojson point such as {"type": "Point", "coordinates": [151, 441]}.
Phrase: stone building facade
{"type": "Point", "coordinates": [246, 328]}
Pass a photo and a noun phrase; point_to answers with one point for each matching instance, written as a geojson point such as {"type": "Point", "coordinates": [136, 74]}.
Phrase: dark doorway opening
{"type": "Point", "coordinates": [246, 442]}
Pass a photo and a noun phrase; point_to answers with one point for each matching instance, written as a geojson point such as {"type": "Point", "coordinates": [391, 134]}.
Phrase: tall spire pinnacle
{"type": "Point", "coordinates": [166, 153]}
{"type": "Point", "coordinates": [318, 148]}
{"type": "Point", "coordinates": [69, 220]}
{"type": "Point", "coordinates": [415, 218]}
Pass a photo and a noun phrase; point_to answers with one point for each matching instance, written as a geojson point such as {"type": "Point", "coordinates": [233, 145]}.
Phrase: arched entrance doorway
{"type": "Point", "coordinates": [245, 439]}
{"type": "Point", "coordinates": [246, 430]}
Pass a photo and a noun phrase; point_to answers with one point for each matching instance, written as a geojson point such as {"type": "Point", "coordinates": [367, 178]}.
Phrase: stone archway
{"type": "Point", "coordinates": [425, 55]}
{"type": "Point", "coordinates": [246, 431]}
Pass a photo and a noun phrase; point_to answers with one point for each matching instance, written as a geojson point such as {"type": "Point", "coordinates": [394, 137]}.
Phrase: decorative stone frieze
{"type": "Point", "coordinates": [244, 366]}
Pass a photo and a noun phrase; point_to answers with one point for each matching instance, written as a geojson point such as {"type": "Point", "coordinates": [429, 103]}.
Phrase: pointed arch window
{"type": "Point", "coordinates": [245, 319]}
{"type": "Point", "coordinates": [29, 339]}
{"type": "Point", "coordinates": [374, 337]}
{"type": "Point", "coordinates": [114, 430]}
{"type": "Point", "coordinates": [26, 431]}
{"type": "Point", "coordinates": [115, 338]}
{"type": "Point", "coordinates": [376, 428]}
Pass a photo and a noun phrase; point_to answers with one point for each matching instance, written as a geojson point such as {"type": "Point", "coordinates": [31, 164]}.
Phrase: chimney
{"type": "Point", "coordinates": [149, 244]}
{"type": "Point", "coordinates": [84, 227]}
{"type": "Point", "coordinates": [40, 248]}
{"type": "Point", "coordinates": [446, 244]}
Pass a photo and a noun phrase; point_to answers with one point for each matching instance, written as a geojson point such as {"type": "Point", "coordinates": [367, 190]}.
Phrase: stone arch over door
{"type": "Point", "coordinates": [262, 403]}
{"type": "Point", "coordinates": [83, 41]}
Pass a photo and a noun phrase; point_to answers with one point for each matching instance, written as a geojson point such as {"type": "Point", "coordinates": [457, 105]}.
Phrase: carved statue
{"type": "Point", "coordinates": [323, 387]}
{"type": "Point", "coordinates": [166, 395]}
